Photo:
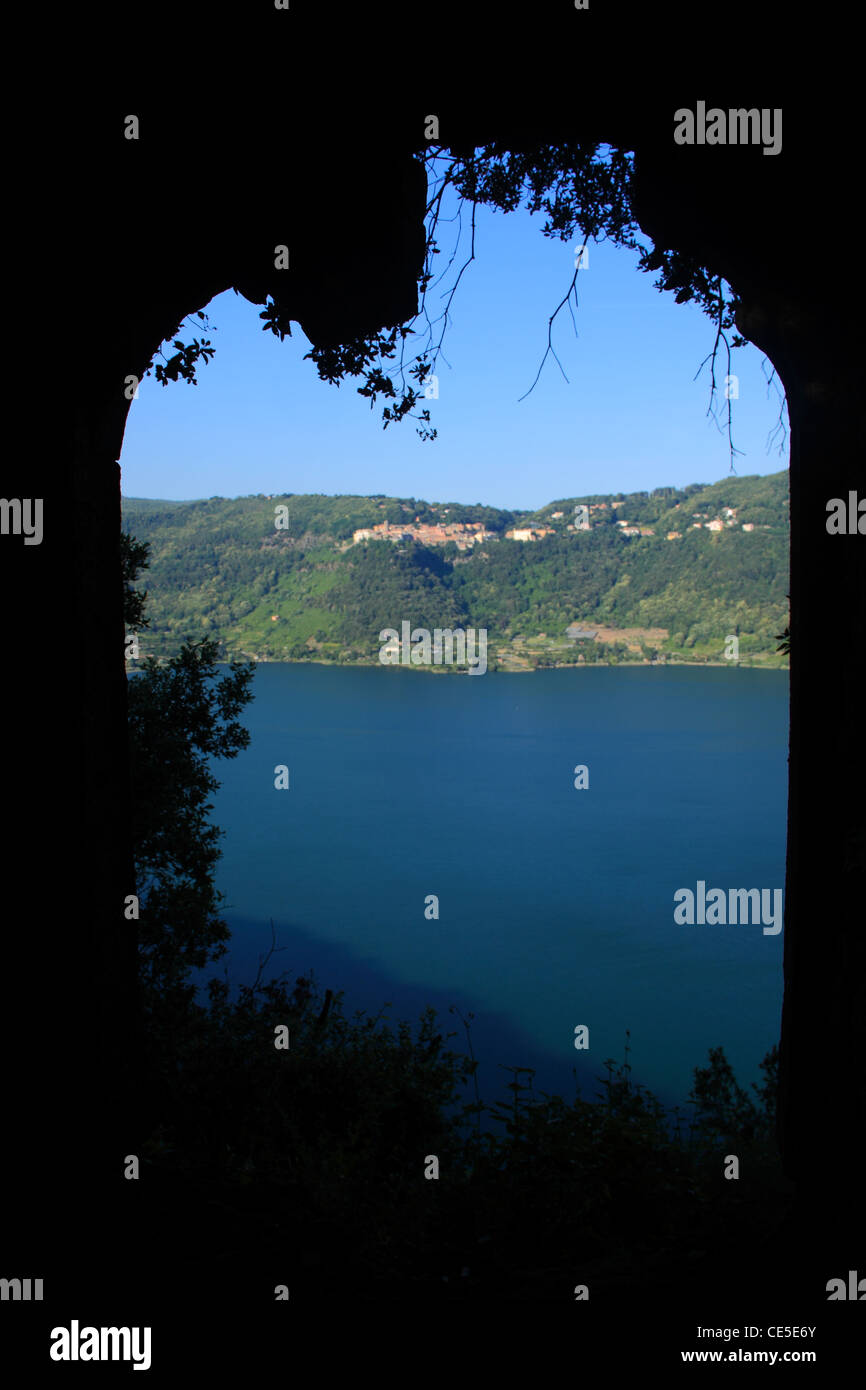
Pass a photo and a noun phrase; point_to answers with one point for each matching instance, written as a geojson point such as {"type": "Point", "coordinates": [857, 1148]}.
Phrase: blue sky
{"type": "Point", "coordinates": [630, 417]}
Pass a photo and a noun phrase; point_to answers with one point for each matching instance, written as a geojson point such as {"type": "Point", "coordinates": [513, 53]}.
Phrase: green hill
{"type": "Point", "coordinates": [220, 568]}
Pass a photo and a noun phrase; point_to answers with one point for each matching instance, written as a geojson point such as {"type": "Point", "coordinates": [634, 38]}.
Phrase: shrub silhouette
{"type": "Point", "coordinates": [323, 1145]}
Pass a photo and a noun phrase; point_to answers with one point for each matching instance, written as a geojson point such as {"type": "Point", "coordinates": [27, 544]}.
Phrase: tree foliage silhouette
{"type": "Point", "coordinates": [585, 191]}
{"type": "Point", "coordinates": [180, 717]}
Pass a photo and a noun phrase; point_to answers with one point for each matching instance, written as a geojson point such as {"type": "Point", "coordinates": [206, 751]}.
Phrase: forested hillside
{"type": "Point", "coordinates": [667, 575]}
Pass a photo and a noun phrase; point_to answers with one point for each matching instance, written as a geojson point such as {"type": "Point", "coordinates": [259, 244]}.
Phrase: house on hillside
{"type": "Point", "coordinates": [528, 533]}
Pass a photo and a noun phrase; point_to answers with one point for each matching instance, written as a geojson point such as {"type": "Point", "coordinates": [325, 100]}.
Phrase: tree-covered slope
{"type": "Point", "coordinates": [221, 568]}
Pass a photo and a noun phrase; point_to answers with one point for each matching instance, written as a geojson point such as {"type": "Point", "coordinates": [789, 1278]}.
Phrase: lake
{"type": "Point", "coordinates": [556, 905]}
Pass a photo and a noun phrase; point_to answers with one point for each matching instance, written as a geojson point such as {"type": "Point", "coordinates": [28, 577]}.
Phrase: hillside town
{"type": "Point", "coordinates": [465, 534]}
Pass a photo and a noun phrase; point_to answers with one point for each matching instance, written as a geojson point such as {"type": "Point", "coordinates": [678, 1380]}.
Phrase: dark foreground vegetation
{"type": "Point", "coordinates": [312, 1159]}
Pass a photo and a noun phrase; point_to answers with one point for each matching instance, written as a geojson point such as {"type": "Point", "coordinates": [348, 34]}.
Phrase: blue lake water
{"type": "Point", "coordinates": [556, 905]}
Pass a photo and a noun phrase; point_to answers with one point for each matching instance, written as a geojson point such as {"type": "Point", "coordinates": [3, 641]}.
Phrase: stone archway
{"type": "Point", "coordinates": [127, 276]}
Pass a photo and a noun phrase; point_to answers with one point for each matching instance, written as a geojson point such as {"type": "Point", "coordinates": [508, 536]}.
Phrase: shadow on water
{"type": "Point", "coordinates": [496, 1042]}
